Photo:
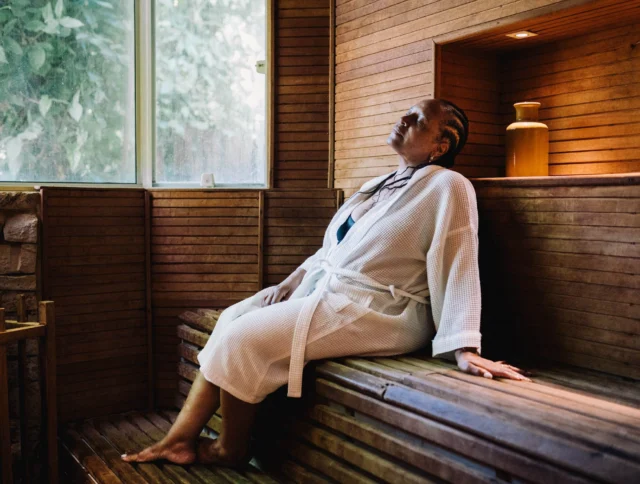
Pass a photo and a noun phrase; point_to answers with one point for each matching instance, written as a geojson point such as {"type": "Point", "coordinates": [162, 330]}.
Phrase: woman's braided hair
{"type": "Point", "coordinates": [454, 127]}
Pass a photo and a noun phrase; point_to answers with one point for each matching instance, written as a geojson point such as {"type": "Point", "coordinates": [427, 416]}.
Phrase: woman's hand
{"type": "Point", "coordinates": [282, 291]}
{"type": "Point", "coordinates": [471, 362]}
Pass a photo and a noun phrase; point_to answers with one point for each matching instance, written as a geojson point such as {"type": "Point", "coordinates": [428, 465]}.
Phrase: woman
{"type": "Point", "coordinates": [402, 238]}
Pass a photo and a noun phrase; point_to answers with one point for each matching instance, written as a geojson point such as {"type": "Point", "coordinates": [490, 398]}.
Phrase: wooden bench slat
{"type": "Point", "coordinates": [614, 389]}
{"type": "Point", "coordinates": [193, 336]}
{"type": "Point", "coordinates": [561, 452]}
{"type": "Point", "coordinates": [413, 451]}
{"type": "Point", "coordinates": [204, 322]}
{"type": "Point", "coordinates": [356, 455]}
{"type": "Point", "coordinates": [467, 444]}
{"type": "Point", "coordinates": [299, 474]}
{"type": "Point", "coordinates": [592, 432]}
{"type": "Point", "coordinates": [189, 352]}
{"type": "Point", "coordinates": [506, 421]}
{"type": "Point", "coordinates": [331, 468]}
{"type": "Point", "coordinates": [563, 421]}
{"type": "Point", "coordinates": [611, 412]}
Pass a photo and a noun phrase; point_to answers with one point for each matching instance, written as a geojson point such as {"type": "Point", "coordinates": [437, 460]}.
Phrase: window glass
{"type": "Point", "coordinates": [210, 97]}
{"type": "Point", "coordinates": [67, 98]}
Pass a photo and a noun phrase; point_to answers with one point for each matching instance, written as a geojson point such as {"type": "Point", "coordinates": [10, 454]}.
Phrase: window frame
{"type": "Point", "coordinates": [145, 118]}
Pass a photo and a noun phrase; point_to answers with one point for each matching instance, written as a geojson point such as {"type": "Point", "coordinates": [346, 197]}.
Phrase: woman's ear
{"type": "Point", "coordinates": [441, 148]}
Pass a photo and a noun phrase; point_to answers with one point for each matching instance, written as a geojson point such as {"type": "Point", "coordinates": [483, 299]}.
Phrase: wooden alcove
{"type": "Point", "coordinates": [583, 66]}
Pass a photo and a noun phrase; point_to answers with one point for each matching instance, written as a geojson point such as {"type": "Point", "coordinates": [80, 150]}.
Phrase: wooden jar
{"type": "Point", "coordinates": [527, 143]}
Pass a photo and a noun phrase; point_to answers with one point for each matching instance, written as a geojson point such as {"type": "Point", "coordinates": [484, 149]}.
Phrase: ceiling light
{"type": "Point", "coordinates": [523, 34]}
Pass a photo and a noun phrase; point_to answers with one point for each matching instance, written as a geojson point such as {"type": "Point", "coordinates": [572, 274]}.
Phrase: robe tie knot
{"type": "Point", "coordinates": [320, 273]}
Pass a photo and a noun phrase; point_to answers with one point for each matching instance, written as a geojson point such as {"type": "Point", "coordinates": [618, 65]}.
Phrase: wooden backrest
{"type": "Point", "coordinates": [560, 269]}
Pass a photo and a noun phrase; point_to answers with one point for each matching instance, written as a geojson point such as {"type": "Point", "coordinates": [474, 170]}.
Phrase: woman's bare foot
{"type": "Point", "coordinates": [176, 452]}
{"type": "Point", "coordinates": [210, 451]}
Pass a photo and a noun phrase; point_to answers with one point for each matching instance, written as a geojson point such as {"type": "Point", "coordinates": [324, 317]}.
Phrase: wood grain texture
{"type": "Point", "coordinates": [302, 94]}
{"type": "Point", "coordinates": [587, 85]}
{"type": "Point", "coordinates": [211, 249]}
{"type": "Point", "coordinates": [562, 264]}
{"type": "Point", "coordinates": [410, 418]}
{"type": "Point", "coordinates": [204, 253]}
{"type": "Point", "coordinates": [94, 270]}
{"type": "Point", "coordinates": [566, 78]}
{"type": "Point", "coordinates": [295, 224]}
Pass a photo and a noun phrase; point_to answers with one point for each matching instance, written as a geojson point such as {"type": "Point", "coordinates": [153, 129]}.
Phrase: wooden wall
{"type": "Point", "coordinates": [211, 249]}
{"type": "Point", "coordinates": [589, 87]}
{"type": "Point", "coordinates": [94, 270]}
{"type": "Point", "coordinates": [384, 65]}
{"type": "Point", "coordinates": [560, 270]}
{"type": "Point", "coordinates": [295, 223]}
{"type": "Point", "coordinates": [470, 78]}
{"type": "Point", "coordinates": [204, 253]}
{"type": "Point", "coordinates": [302, 94]}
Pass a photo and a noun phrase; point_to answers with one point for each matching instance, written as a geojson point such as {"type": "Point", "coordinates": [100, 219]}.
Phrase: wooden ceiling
{"type": "Point", "coordinates": [571, 22]}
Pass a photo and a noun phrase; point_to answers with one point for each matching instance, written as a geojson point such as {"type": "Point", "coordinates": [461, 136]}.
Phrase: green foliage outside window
{"type": "Point", "coordinates": [67, 90]}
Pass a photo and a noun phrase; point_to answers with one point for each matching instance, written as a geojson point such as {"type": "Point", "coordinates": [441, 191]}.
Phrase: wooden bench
{"type": "Point", "coordinates": [403, 419]}
{"type": "Point", "coordinates": [415, 419]}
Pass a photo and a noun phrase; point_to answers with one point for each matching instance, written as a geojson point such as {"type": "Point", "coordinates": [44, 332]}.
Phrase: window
{"type": "Point", "coordinates": [68, 92]}
{"type": "Point", "coordinates": [210, 97]}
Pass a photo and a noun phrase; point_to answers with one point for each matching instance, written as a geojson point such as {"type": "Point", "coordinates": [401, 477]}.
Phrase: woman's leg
{"type": "Point", "coordinates": [179, 445]}
{"type": "Point", "coordinates": [232, 446]}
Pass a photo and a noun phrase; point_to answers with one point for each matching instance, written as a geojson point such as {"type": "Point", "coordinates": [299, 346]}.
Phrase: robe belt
{"type": "Point", "coordinates": [303, 322]}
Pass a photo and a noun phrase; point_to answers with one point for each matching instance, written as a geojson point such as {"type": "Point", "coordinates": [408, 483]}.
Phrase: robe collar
{"type": "Point", "coordinates": [377, 212]}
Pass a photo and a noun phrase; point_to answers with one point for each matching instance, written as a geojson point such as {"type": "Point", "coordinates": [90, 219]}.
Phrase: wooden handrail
{"type": "Point", "coordinates": [19, 331]}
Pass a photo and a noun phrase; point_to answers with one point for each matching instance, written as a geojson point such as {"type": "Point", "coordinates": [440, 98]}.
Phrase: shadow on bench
{"type": "Point", "coordinates": [399, 419]}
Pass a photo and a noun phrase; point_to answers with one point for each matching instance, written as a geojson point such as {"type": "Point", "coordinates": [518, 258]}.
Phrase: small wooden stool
{"type": "Point", "coordinates": [20, 331]}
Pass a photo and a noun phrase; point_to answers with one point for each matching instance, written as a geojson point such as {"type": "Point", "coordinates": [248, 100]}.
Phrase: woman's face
{"type": "Point", "coordinates": [415, 136]}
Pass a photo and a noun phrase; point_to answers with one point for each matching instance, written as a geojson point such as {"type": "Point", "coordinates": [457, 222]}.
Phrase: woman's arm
{"type": "Point", "coordinates": [452, 270]}
{"type": "Point", "coordinates": [282, 291]}
{"type": "Point", "coordinates": [454, 285]}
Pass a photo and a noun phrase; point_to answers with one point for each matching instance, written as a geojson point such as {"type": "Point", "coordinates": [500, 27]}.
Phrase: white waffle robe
{"type": "Point", "coordinates": [405, 272]}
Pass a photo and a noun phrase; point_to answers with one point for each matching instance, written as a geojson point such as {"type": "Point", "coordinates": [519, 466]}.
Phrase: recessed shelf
{"type": "Point", "coordinates": [581, 67]}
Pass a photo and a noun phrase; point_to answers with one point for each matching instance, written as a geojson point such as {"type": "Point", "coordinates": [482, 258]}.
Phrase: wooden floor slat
{"type": "Point", "coordinates": [93, 465]}
{"type": "Point", "coordinates": [152, 472]}
{"type": "Point", "coordinates": [109, 454]}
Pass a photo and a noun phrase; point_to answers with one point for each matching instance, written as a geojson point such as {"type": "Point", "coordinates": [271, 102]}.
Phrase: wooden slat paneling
{"type": "Point", "coordinates": [295, 223]}
{"type": "Point", "coordinates": [302, 94]}
{"type": "Point", "coordinates": [94, 270]}
{"type": "Point", "coordinates": [561, 275]}
{"type": "Point", "coordinates": [384, 65]}
{"type": "Point", "coordinates": [469, 78]}
{"type": "Point", "coordinates": [588, 87]}
{"type": "Point", "coordinates": [204, 253]}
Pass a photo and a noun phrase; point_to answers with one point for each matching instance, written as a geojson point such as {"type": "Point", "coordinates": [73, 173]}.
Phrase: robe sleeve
{"type": "Point", "coordinates": [311, 259]}
{"type": "Point", "coordinates": [452, 270]}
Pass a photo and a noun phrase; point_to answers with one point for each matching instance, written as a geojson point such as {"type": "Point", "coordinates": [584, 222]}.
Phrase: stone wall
{"type": "Point", "coordinates": [19, 274]}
